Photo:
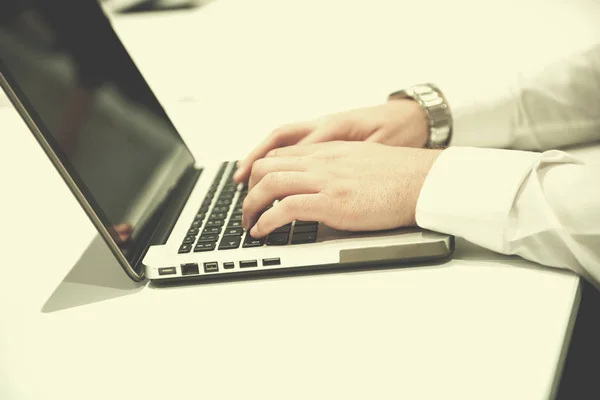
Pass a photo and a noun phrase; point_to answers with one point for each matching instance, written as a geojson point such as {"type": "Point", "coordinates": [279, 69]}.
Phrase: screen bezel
{"type": "Point", "coordinates": [134, 270]}
{"type": "Point", "coordinates": [33, 122]}
{"type": "Point", "coordinates": [131, 263]}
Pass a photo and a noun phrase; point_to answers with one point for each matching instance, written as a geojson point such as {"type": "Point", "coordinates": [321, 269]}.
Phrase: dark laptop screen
{"type": "Point", "coordinates": [80, 86]}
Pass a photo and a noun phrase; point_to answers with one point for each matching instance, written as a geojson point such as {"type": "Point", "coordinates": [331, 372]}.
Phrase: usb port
{"type": "Point", "coordinates": [211, 267]}
{"type": "Point", "coordinates": [271, 261]}
{"type": "Point", "coordinates": [189, 269]}
{"type": "Point", "coordinates": [248, 263]}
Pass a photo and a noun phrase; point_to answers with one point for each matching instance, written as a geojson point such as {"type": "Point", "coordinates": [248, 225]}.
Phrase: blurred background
{"type": "Point", "coordinates": [238, 68]}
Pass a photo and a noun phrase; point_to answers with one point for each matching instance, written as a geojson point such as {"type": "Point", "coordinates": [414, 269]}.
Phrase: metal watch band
{"type": "Point", "coordinates": [432, 100]}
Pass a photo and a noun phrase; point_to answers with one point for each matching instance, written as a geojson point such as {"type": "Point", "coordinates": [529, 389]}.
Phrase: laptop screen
{"type": "Point", "coordinates": [85, 94]}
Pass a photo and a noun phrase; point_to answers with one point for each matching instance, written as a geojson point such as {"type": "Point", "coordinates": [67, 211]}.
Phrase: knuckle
{"type": "Point", "coordinates": [272, 180]}
{"type": "Point", "coordinates": [272, 153]}
{"type": "Point", "coordinates": [291, 205]}
{"type": "Point", "coordinates": [258, 166]}
{"type": "Point", "coordinates": [342, 191]}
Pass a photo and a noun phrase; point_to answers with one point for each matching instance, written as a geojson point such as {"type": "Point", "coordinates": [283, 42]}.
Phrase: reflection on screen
{"type": "Point", "coordinates": [94, 108]}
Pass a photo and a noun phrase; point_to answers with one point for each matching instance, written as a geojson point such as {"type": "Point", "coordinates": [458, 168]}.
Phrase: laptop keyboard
{"type": "Point", "coordinates": [218, 223]}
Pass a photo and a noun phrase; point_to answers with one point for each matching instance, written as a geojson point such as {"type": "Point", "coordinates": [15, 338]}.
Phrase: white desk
{"type": "Point", "coordinates": [480, 326]}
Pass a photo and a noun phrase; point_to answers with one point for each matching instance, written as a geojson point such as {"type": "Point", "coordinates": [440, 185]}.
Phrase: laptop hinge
{"type": "Point", "coordinates": [166, 216]}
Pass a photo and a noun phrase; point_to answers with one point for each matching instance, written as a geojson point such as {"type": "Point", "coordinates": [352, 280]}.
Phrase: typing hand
{"type": "Point", "coordinates": [396, 123]}
{"type": "Point", "coordinates": [355, 186]}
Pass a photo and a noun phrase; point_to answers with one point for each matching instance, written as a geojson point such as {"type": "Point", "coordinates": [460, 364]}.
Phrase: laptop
{"type": "Point", "coordinates": [164, 215]}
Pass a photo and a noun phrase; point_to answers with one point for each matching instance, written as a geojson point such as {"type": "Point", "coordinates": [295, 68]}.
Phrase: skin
{"type": "Point", "coordinates": [360, 170]}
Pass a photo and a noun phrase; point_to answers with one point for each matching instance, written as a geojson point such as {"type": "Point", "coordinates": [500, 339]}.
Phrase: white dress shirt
{"type": "Point", "coordinates": [534, 201]}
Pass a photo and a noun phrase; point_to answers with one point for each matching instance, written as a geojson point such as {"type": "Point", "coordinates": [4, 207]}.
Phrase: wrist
{"type": "Point", "coordinates": [431, 99]}
{"type": "Point", "coordinates": [413, 119]}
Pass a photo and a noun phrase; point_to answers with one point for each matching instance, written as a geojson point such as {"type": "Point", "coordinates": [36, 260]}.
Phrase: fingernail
{"type": "Point", "coordinates": [237, 174]}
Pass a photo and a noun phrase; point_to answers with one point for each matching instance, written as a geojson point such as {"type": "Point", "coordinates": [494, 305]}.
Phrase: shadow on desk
{"type": "Point", "coordinates": [97, 276]}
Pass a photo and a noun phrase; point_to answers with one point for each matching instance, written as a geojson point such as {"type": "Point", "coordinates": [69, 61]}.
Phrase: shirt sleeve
{"type": "Point", "coordinates": [548, 107]}
{"type": "Point", "coordinates": [544, 207]}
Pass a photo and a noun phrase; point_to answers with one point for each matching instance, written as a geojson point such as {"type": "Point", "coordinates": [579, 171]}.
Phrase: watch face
{"type": "Point", "coordinates": [434, 103]}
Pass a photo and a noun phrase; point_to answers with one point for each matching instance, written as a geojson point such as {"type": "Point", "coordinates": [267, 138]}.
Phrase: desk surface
{"type": "Point", "coordinates": [73, 325]}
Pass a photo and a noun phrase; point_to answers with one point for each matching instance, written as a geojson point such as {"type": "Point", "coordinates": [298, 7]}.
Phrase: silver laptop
{"type": "Point", "coordinates": [165, 216]}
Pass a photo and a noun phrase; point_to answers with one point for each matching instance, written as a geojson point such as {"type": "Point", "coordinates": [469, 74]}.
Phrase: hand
{"type": "Point", "coordinates": [355, 186]}
{"type": "Point", "coordinates": [396, 123]}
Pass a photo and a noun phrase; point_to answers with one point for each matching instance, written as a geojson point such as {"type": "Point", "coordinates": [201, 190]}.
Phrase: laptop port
{"type": "Point", "coordinates": [228, 265]}
{"type": "Point", "coordinates": [211, 267]}
{"type": "Point", "coordinates": [167, 271]}
{"type": "Point", "coordinates": [271, 261]}
{"type": "Point", "coordinates": [248, 263]}
{"type": "Point", "coordinates": [190, 269]}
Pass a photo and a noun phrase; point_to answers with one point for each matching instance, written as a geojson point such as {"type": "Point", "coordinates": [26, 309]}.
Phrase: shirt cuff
{"type": "Point", "coordinates": [483, 114]}
{"type": "Point", "coordinates": [469, 193]}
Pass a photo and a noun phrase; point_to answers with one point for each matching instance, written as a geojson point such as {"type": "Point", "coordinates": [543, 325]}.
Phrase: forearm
{"type": "Point", "coordinates": [544, 207]}
{"type": "Point", "coordinates": [552, 108]}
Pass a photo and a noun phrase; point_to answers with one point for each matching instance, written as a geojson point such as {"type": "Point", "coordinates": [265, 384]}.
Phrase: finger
{"type": "Point", "coordinates": [274, 186]}
{"type": "Point", "coordinates": [377, 137]}
{"type": "Point", "coordinates": [305, 207]}
{"type": "Point", "coordinates": [267, 165]}
{"type": "Point", "coordinates": [285, 136]}
{"type": "Point", "coordinates": [325, 133]}
{"type": "Point", "coordinates": [298, 150]}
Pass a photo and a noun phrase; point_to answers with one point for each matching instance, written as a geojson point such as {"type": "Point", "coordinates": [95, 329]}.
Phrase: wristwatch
{"type": "Point", "coordinates": [433, 102]}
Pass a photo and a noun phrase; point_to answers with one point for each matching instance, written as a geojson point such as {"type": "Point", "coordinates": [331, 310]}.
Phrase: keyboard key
{"type": "Point", "coordinates": [203, 209]}
{"type": "Point", "coordinates": [226, 197]}
{"type": "Point", "coordinates": [214, 222]}
{"type": "Point", "coordinates": [249, 241]}
{"type": "Point", "coordinates": [233, 232]}
{"type": "Point", "coordinates": [300, 238]}
{"type": "Point", "coordinates": [300, 223]}
{"type": "Point", "coordinates": [189, 239]}
{"type": "Point", "coordinates": [234, 224]}
{"type": "Point", "coordinates": [213, 229]}
{"type": "Point", "coordinates": [193, 232]}
{"type": "Point", "coordinates": [306, 228]}
{"type": "Point", "coordinates": [200, 216]}
{"type": "Point", "coordinates": [220, 203]}
{"type": "Point", "coordinates": [205, 246]}
{"type": "Point", "coordinates": [208, 237]}
{"type": "Point", "coordinates": [196, 224]}
{"type": "Point", "coordinates": [283, 229]}
{"type": "Point", "coordinates": [185, 248]}
{"type": "Point", "coordinates": [235, 217]}
{"type": "Point", "coordinates": [277, 239]}
{"type": "Point", "coordinates": [230, 242]}
{"type": "Point", "coordinates": [223, 209]}
{"type": "Point", "coordinates": [218, 215]}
